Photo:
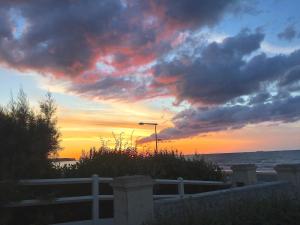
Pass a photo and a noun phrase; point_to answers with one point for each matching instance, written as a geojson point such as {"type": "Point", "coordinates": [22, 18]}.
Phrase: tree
{"type": "Point", "coordinates": [27, 138]}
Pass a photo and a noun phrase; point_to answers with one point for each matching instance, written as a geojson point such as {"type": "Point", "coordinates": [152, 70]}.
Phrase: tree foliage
{"type": "Point", "coordinates": [27, 138]}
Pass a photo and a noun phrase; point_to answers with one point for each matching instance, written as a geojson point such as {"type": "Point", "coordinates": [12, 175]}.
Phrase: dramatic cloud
{"type": "Point", "coordinates": [5, 30]}
{"type": "Point", "coordinates": [67, 38]}
{"type": "Point", "coordinates": [291, 77]}
{"type": "Point", "coordinates": [203, 12]}
{"type": "Point", "coordinates": [196, 121]}
{"type": "Point", "coordinates": [103, 47]}
{"type": "Point", "coordinates": [221, 72]}
{"type": "Point", "coordinates": [289, 33]}
{"type": "Point", "coordinates": [236, 88]}
{"type": "Point", "coordinates": [132, 50]}
{"type": "Point", "coordinates": [127, 88]}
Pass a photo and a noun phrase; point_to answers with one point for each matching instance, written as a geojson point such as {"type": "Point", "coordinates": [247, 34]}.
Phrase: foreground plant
{"type": "Point", "coordinates": [163, 164]}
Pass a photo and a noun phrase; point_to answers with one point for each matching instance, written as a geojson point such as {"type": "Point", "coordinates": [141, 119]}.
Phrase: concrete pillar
{"type": "Point", "coordinates": [289, 172]}
{"type": "Point", "coordinates": [243, 174]}
{"type": "Point", "coordinates": [133, 200]}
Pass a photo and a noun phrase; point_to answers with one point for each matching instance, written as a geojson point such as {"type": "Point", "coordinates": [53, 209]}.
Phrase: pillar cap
{"type": "Point", "coordinates": [132, 181]}
{"type": "Point", "coordinates": [287, 167]}
{"type": "Point", "coordinates": [244, 166]}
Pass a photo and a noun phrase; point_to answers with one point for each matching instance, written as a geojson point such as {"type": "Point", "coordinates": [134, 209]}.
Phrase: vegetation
{"type": "Point", "coordinates": [27, 138]}
{"type": "Point", "coordinates": [163, 164]}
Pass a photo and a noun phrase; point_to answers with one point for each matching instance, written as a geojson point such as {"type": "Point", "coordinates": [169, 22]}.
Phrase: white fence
{"type": "Point", "coordinates": [133, 195]}
{"type": "Point", "coordinates": [95, 195]}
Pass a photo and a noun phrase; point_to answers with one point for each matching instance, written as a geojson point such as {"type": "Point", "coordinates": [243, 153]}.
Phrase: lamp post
{"type": "Point", "coordinates": [153, 124]}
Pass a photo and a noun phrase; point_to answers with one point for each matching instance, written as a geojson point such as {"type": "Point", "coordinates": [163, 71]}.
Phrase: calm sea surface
{"type": "Point", "coordinates": [265, 160]}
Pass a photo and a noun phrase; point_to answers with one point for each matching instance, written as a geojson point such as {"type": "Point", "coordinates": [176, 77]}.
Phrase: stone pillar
{"type": "Point", "coordinates": [243, 174]}
{"type": "Point", "coordinates": [133, 200]}
{"type": "Point", "coordinates": [289, 172]}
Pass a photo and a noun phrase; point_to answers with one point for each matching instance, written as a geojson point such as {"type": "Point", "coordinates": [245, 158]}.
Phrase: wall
{"type": "Point", "coordinates": [217, 200]}
{"type": "Point", "coordinates": [261, 176]}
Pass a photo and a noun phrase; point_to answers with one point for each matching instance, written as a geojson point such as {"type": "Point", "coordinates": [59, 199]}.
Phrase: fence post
{"type": "Point", "coordinates": [95, 193]}
{"type": "Point", "coordinates": [243, 174]}
{"type": "Point", "coordinates": [289, 172]}
{"type": "Point", "coordinates": [133, 200]}
{"type": "Point", "coordinates": [180, 187]}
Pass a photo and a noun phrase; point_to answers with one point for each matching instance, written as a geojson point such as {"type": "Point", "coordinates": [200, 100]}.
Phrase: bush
{"type": "Point", "coordinates": [164, 164]}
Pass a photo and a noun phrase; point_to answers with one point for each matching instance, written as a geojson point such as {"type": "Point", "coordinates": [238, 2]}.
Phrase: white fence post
{"type": "Point", "coordinates": [95, 193]}
{"type": "Point", "coordinates": [181, 187]}
{"type": "Point", "coordinates": [133, 200]}
{"type": "Point", "coordinates": [243, 174]}
{"type": "Point", "coordinates": [289, 172]}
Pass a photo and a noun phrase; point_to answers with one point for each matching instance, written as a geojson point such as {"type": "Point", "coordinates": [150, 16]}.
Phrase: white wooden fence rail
{"type": "Point", "coordinates": [95, 195]}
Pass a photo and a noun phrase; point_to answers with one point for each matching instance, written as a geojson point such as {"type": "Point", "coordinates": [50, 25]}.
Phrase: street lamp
{"type": "Point", "coordinates": [153, 124]}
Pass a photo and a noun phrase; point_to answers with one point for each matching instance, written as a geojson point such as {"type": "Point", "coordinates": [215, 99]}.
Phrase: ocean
{"type": "Point", "coordinates": [264, 160]}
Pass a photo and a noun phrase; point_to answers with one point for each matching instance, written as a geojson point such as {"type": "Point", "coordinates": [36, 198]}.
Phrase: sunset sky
{"type": "Point", "coordinates": [217, 76]}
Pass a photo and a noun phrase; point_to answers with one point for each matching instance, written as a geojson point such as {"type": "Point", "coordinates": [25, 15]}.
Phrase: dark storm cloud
{"type": "Point", "coordinates": [203, 12]}
{"type": "Point", "coordinates": [58, 34]}
{"type": "Point", "coordinates": [196, 121]}
{"type": "Point", "coordinates": [126, 88]}
{"type": "Point", "coordinates": [289, 33]}
{"type": "Point", "coordinates": [104, 49]}
{"type": "Point", "coordinates": [292, 76]}
{"type": "Point", "coordinates": [238, 89]}
{"type": "Point", "coordinates": [112, 88]}
{"type": "Point", "coordinates": [221, 71]}
{"type": "Point", "coordinates": [66, 37]}
{"type": "Point", "coordinates": [5, 28]}
{"type": "Point", "coordinates": [291, 81]}
{"type": "Point", "coordinates": [259, 98]}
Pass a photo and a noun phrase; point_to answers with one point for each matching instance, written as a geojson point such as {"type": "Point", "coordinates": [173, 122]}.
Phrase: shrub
{"type": "Point", "coordinates": [163, 164]}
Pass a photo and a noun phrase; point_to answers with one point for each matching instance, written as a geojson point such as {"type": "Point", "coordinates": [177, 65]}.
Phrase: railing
{"type": "Point", "coordinates": [95, 195]}
{"type": "Point", "coordinates": [180, 184]}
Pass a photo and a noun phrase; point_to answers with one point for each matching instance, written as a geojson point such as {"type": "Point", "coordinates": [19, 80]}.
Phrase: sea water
{"type": "Point", "coordinates": [264, 160]}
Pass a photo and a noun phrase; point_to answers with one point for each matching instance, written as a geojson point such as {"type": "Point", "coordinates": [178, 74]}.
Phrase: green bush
{"type": "Point", "coordinates": [163, 164]}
